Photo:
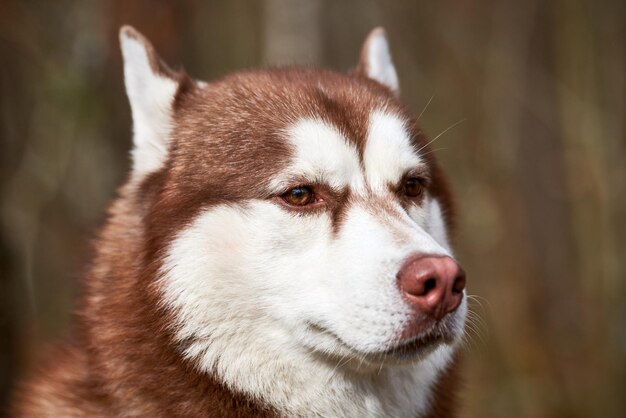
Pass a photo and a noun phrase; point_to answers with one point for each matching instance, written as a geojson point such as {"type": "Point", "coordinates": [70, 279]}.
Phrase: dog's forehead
{"type": "Point", "coordinates": [324, 154]}
{"type": "Point", "coordinates": [317, 124]}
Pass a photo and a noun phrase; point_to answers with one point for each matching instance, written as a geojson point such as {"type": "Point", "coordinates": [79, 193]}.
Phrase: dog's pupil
{"type": "Point", "coordinates": [413, 187]}
{"type": "Point", "coordinates": [300, 195]}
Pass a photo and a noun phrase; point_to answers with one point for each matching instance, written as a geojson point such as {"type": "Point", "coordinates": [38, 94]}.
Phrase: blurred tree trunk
{"type": "Point", "coordinates": [8, 324]}
{"type": "Point", "coordinates": [540, 168]}
{"type": "Point", "coordinates": [293, 32]}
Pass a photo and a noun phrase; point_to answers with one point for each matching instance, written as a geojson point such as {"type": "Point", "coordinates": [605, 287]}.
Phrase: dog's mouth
{"type": "Point", "coordinates": [408, 349]}
{"type": "Point", "coordinates": [421, 345]}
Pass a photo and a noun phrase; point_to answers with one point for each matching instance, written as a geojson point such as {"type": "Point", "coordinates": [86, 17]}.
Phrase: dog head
{"type": "Point", "coordinates": [292, 211]}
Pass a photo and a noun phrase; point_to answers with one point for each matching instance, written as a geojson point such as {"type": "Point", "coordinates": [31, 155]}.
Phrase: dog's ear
{"type": "Point", "coordinates": [375, 61]}
{"type": "Point", "coordinates": [151, 88]}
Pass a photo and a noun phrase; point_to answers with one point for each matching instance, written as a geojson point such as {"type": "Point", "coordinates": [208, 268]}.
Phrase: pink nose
{"type": "Point", "coordinates": [432, 284]}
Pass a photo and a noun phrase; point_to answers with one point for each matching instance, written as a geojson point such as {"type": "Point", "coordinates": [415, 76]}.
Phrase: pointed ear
{"type": "Point", "coordinates": [151, 88]}
{"type": "Point", "coordinates": [375, 61]}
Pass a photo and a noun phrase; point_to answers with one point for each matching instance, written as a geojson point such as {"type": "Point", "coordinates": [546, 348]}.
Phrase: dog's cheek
{"type": "Point", "coordinates": [289, 255]}
{"type": "Point", "coordinates": [254, 251]}
{"type": "Point", "coordinates": [202, 267]}
{"type": "Point", "coordinates": [235, 270]}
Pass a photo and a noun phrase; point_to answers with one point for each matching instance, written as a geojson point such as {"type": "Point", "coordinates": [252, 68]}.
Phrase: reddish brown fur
{"type": "Point", "coordinates": [123, 359]}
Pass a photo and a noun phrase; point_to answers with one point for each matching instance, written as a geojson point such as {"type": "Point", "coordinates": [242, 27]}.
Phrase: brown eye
{"type": "Point", "coordinates": [299, 196]}
{"type": "Point", "coordinates": [413, 187]}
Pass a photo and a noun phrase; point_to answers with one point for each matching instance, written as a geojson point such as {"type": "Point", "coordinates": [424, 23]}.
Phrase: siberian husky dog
{"type": "Point", "coordinates": [280, 248]}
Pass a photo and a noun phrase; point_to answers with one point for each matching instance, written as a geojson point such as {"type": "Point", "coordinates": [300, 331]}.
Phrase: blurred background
{"type": "Point", "coordinates": [538, 165]}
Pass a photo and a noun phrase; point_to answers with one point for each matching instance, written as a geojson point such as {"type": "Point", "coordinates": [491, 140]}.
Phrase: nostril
{"type": "Point", "coordinates": [459, 284]}
{"type": "Point", "coordinates": [429, 285]}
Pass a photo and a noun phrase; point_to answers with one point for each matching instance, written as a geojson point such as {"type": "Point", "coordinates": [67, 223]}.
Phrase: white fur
{"type": "Point", "coordinates": [151, 96]}
{"type": "Point", "coordinates": [284, 308]}
{"type": "Point", "coordinates": [436, 224]}
{"type": "Point", "coordinates": [322, 155]}
{"type": "Point", "coordinates": [388, 154]}
{"type": "Point", "coordinates": [379, 65]}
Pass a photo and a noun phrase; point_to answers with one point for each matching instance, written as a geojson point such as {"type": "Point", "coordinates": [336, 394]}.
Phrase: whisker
{"type": "Point", "coordinates": [477, 327]}
{"type": "Point", "coordinates": [477, 332]}
{"type": "Point", "coordinates": [381, 365]}
{"type": "Point", "coordinates": [477, 311]}
{"type": "Point", "coordinates": [444, 131]}
{"type": "Point", "coordinates": [478, 317]}
{"type": "Point", "coordinates": [360, 362]}
{"type": "Point", "coordinates": [467, 342]}
{"type": "Point", "coordinates": [478, 299]}
{"type": "Point", "coordinates": [425, 107]}
{"type": "Point", "coordinates": [343, 360]}
{"type": "Point", "coordinates": [471, 337]}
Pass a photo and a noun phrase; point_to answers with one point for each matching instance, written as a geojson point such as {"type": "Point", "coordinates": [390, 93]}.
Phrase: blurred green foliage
{"type": "Point", "coordinates": [539, 165]}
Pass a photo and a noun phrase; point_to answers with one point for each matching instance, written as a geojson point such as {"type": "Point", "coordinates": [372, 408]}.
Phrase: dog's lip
{"type": "Point", "coordinates": [417, 346]}
{"type": "Point", "coordinates": [420, 345]}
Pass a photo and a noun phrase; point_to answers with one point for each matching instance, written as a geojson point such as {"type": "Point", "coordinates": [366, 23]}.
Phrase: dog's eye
{"type": "Point", "coordinates": [413, 187]}
{"type": "Point", "coordinates": [299, 196]}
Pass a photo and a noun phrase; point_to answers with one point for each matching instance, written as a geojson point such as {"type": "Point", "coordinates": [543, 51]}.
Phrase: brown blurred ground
{"type": "Point", "coordinates": [539, 165]}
